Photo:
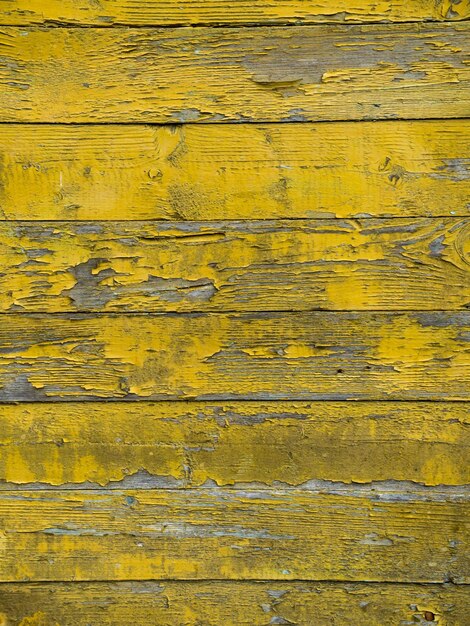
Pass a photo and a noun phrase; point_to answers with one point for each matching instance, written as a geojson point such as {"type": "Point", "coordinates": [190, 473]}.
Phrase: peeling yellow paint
{"type": "Point", "coordinates": [246, 604]}
{"type": "Point", "coordinates": [112, 12]}
{"type": "Point", "coordinates": [232, 534]}
{"type": "Point", "coordinates": [406, 344]}
{"type": "Point", "coordinates": [354, 355]}
{"type": "Point", "coordinates": [249, 171]}
{"type": "Point", "coordinates": [188, 443]}
{"type": "Point", "coordinates": [38, 619]}
{"type": "Point", "coordinates": [92, 75]}
{"type": "Point", "coordinates": [304, 351]}
{"type": "Point", "coordinates": [262, 265]}
{"type": "Point", "coordinates": [294, 267]}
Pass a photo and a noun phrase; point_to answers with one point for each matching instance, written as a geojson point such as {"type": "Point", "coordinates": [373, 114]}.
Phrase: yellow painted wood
{"type": "Point", "coordinates": [247, 171]}
{"type": "Point", "coordinates": [186, 12]}
{"type": "Point", "coordinates": [244, 603]}
{"type": "Point", "coordinates": [250, 74]}
{"type": "Point", "coordinates": [189, 443]}
{"type": "Point", "coordinates": [347, 534]}
{"type": "Point", "coordinates": [219, 266]}
{"type": "Point", "coordinates": [268, 487]}
{"type": "Point", "coordinates": [318, 355]}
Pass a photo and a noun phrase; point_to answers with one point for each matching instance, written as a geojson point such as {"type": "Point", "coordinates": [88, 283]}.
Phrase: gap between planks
{"type": "Point", "coordinates": [229, 122]}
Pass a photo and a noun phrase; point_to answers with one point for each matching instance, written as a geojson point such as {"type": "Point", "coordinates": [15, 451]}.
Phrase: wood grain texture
{"type": "Point", "coordinates": [190, 12]}
{"type": "Point", "coordinates": [241, 603]}
{"type": "Point", "coordinates": [236, 473]}
{"type": "Point", "coordinates": [246, 171]}
{"type": "Point", "coordinates": [310, 356]}
{"type": "Point", "coordinates": [251, 74]}
{"type": "Point", "coordinates": [190, 443]}
{"type": "Point", "coordinates": [350, 535]}
{"type": "Point", "coordinates": [235, 266]}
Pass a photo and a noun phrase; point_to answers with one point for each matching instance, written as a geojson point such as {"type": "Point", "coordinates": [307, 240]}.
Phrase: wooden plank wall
{"type": "Point", "coordinates": [234, 312]}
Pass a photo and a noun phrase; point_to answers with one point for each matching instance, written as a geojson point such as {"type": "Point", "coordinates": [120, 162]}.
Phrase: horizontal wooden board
{"type": "Point", "coordinates": [252, 74]}
{"type": "Point", "coordinates": [224, 171]}
{"type": "Point", "coordinates": [235, 266]}
{"type": "Point", "coordinates": [190, 443]}
{"type": "Point", "coordinates": [347, 535]}
{"type": "Point", "coordinates": [242, 603]}
{"type": "Point", "coordinates": [316, 356]}
{"type": "Point", "coordinates": [187, 12]}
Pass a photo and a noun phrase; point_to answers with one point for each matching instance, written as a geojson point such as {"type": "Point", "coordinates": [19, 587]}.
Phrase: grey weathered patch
{"type": "Point", "coordinates": [178, 289]}
{"type": "Point", "coordinates": [439, 319]}
{"type": "Point", "coordinates": [372, 539]}
{"type": "Point", "coordinates": [455, 169]}
{"type": "Point", "coordinates": [35, 253]}
{"type": "Point", "coordinates": [232, 418]}
{"type": "Point", "coordinates": [66, 531]}
{"type": "Point", "coordinates": [20, 388]}
{"type": "Point", "coordinates": [37, 232]}
{"type": "Point", "coordinates": [88, 293]}
{"type": "Point", "coordinates": [179, 151]}
{"type": "Point", "coordinates": [410, 75]}
{"type": "Point", "coordinates": [23, 86]}
{"type": "Point", "coordinates": [276, 593]}
{"type": "Point", "coordinates": [187, 115]}
{"type": "Point", "coordinates": [295, 115]}
{"type": "Point", "coordinates": [437, 247]}
{"type": "Point", "coordinates": [89, 229]}
{"type": "Point", "coordinates": [137, 480]}
{"type": "Point", "coordinates": [409, 227]}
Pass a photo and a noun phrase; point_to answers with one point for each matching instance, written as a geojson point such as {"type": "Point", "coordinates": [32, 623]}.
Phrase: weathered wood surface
{"type": "Point", "coordinates": [190, 443]}
{"type": "Point", "coordinates": [302, 73]}
{"type": "Point", "coordinates": [310, 356]}
{"type": "Point", "coordinates": [237, 473]}
{"type": "Point", "coordinates": [190, 12]}
{"type": "Point", "coordinates": [241, 603]}
{"type": "Point", "coordinates": [235, 266]}
{"type": "Point", "coordinates": [349, 534]}
{"type": "Point", "coordinates": [245, 171]}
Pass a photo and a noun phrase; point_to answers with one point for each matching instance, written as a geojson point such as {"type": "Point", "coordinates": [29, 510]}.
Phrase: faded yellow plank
{"type": "Point", "coordinates": [238, 266]}
{"type": "Point", "coordinates": [194, 172]}
{"type": "Point", "coordinates": [318, 355]}
{"type": "Point", "coordinates": [350, 534]}
{"type": "Point", "coordinates": [189, 443]}
{"type": "Point", "coordinates": [261, 74]}
{"type": "Point", "coordinates": [244, 603]}
{"type": "Point", "coordinates": [187, 12]}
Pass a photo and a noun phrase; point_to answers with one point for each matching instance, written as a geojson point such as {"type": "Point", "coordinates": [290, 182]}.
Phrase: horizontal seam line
{"type": "Point", "coordinates": [110, 489]}
{"type": "Point", "coordinates": [293, 22]}
{"type": "Point", "coordinates": [235, 122]}
{"type": "Point", "coordinates": [224, 399]}
{"type": "Point", "coordinates": [235, 401]}
{"type": "Point", "coordinates": [402, 312]}
{"type": "Point", "coordinates": [200, 312]}
{"type": "Point", "coordinates": [214, 222]}
{"type": "Point", "coordinates": [239, 123]}
{"type": "Point", "coordinates": [231, 581]}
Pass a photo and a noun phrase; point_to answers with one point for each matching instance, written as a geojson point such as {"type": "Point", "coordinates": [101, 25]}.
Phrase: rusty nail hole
{"type": "Point", "coordinates": [429, 616]}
